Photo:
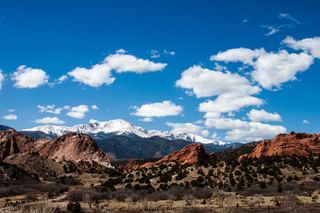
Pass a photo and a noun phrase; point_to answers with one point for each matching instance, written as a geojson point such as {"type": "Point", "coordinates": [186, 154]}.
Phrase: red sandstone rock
{"type": "Point", "coordinates": [73, 147]}
{"type": "Point", "coordinates": [190, 154]}
{"type": "Point", "coordinates": [300, 144]}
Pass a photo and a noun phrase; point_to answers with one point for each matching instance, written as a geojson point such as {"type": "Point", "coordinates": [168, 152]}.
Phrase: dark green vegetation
{"type": "Point", "coordinates": [264, 175]}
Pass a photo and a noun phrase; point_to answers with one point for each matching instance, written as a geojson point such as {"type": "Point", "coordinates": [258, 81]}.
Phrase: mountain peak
{"type": "Point", "coordinates": [121, 127]}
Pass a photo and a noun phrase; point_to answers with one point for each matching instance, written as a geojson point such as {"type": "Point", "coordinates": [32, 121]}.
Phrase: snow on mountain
{"type": "Point", "coordinates": [121, 127]}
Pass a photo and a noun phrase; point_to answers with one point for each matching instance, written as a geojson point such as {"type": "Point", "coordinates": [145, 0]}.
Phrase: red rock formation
{"type": "Point", "coordinates": [300, 144]}
{"type": "Point", "coordinates": [190, 154]}
{"type": "Point", "coordinates": [13, 142]}
{"type": "Point", "coordinates": [74, 147]}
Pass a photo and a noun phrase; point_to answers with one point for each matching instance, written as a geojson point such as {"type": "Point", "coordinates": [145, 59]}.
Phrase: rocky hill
{"type": "Point", "coordinates": [190, 154]}
{"type": "Point", "coordinates": [13, 142]}
{"type": "Point", "coordinates": [299, 144]}
{"type": "Point", "coordinates": [70, 147]}
{"type": "Point", "coordinates": [73, 147]}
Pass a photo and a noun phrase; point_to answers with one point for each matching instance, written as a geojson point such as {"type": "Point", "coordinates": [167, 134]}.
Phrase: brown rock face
{"type": "Point", "coordinates": [300, 144]}
{"type": "Point", "coordinates": [190, 154]}
{"type": "Point", "coordinates": [13, 142]}
{"type": "Point", "coordinates": [74, 147]}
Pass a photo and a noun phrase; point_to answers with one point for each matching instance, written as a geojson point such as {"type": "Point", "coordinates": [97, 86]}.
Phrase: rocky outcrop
{"type": "Point", "coordinates": [13, 142]}
{"type": "Point", "coordinates": [299, 144]}
{"type": "Point", "coordinates": [73, 147]}
{"type": "Point", "coordinates": [190, 154]}
{"type": "Point", "coordinates": [70, 147]}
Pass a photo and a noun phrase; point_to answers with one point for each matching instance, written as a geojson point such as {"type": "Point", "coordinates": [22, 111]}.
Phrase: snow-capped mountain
{"type": "Point", "coordinates": [119, 127]}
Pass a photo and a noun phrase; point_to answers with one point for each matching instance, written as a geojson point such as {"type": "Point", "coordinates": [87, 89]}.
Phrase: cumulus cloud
{"type": "Point", "coordinates": [262, 115]}
{"type": "Point", "coordinates": [273, 69]}
{"type": "Point", "coordinates": [26, 77]}
{"type": "Point", "coordinates": [100, 74]}
{"type": "Point", "coordinates": [270, 69]}
{"type": "Point", "coordinates": [2, 77]}
{"type": "Point", "coordinates": [10, 117]}
{"type": "Point", "coordinates": [255, 131]}
{"type": "Point", "coordinates": [129, 63]}
{"type": "Point", "coordinates": [239, 130]}
{"type": "Point", "coordinates": [78, 111]}
{"type": "Point", "coordinates": [227, 103]}
{"type": "Point", "coordinates": [162, 109]}
{"type": "Point", "coordinates": [49, 120]}
{"type": "Point", "coordinates": [180, 128]}
{"type": "Point", "coordinates": [206, 83]}
{"type": "Point", "coordinates": [96, 76]}
{"type": "Point", "coordinates": [309, 45]}
{"type": "Point", "coordinates": [243, 55]}
{"type": "Point", "coordinates": [50, 109]}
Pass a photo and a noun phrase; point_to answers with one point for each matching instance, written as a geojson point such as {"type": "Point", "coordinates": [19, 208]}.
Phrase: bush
{"type": "Point", "coordinates": [74, 207]}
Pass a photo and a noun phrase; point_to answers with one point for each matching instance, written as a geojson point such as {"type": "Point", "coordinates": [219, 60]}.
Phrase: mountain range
{"type": "Point", "coordinates": [101, 129]}
{"type": "Point", "coordinates": [123, 140]}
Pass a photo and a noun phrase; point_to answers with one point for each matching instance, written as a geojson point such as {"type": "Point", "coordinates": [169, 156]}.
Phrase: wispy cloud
{"type": "Point", "coordinates": [271, 29]}
{"type": "Point", "coordinates": [289, 17]}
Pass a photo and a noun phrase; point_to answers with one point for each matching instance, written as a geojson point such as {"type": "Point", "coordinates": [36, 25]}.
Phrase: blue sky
{"type": "Point", "coordinates": [54, 38]}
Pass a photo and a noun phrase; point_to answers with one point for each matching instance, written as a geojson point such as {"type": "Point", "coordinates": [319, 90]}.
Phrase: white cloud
{"type": "Point", "coordinates": [147, 119]}
{"type": "Point", "coordinates": [227, 103]}
{"type": "Point", "coordinates": [162, 109]}
{"type": "Point", "coordinates": [243, 55]}
{"type": "Point", "coordinates": [121, 51]}
{"type": "Point", "coordinates": [26, 77]}
{"type": "Point", "coordinates": [100, 74]}
{"type": "Point", "coordinates": [169, 52]}
{"type": "Point", "coordinates": [273, 69]}
{"type": "Point", "coordinates": [2, 77]}
{"type": "Point", "coordinates": [10, 117]}
{"type": "Point", "coordinates": [180, 128]}
{"type": "Point", "coordinates": [255, 131]}
{"type": "Point", "coordinates": [271, 29]}
{"type": "Point", "coordinates": [306, 122]}
{"type": "Point", "coordinates": [78, 111]}
{"type": "Point", "coordinates": [262, 115]}
{"type": "Point", "coordinates": [62, 78]}
{"type": "Point", "coordinates": [239, 130]}
{"type": "Point", "coordinates": [49, 120]}
{"type": "Point", "coordinates": [50, 109]}
{"type": "Point", "coordinates": [205, 83]}
{"type": "Point", "coordinates": [288, 17]}
{"type": "Point", "coordinates": [154, 54]}
{"type": "Point", "coordinates": [225, 123]}
{"type": "Point", "coordinates": [94, 107]}
{"type": "Point", "coordinates": [96, 76]}
{"type": "Point", "coordinates": [309, 45]}
{"type": "Point", "coordinates": [129, 63]}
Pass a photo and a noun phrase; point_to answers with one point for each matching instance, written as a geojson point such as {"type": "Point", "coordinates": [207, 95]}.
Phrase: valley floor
{"type": "Point", "coordinates": [220, 202]}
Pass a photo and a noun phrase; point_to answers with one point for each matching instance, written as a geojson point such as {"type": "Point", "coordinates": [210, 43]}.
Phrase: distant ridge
{"type": "Point", "coordinates": [98, 129]}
